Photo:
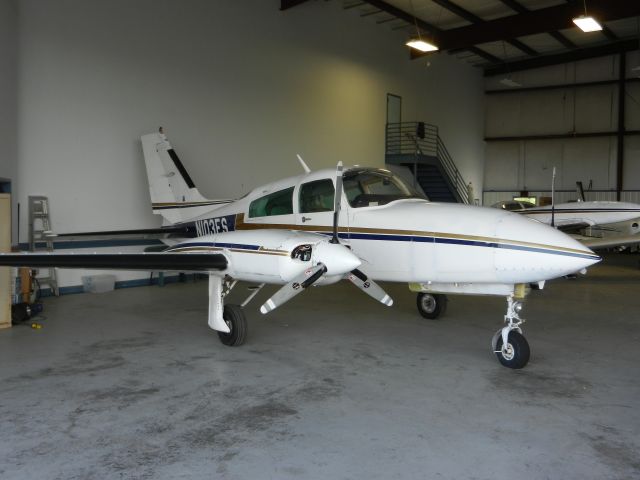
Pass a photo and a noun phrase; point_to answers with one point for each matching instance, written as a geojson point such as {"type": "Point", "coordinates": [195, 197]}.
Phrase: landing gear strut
{"type": "Point", "coordinates": [431, 305]}
{"type": "Point", "coordinates": [233, 315]}
{"type": "Point", "coordinates": [509, 345]}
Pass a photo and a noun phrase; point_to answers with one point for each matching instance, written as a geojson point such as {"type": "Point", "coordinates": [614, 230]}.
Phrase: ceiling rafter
{"type": "Point", "coordinates": [572, 56]}
{"type": "Point", "coordinates": [287, 4]}
{"type": "Point", "coordinates": [474, 19]}
{"type": "Point", "coordinates": [427, 27]}
{"type": "Point", "coordinates": [544, 20]}
{"type": "Point", "coordinates": [516, 7]}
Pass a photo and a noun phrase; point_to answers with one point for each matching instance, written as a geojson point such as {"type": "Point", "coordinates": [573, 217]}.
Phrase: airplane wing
{"type": "Point", "coordinates": [199, 262]}
{"type": "Point", "coordinates": [596, 243]}
{"type": "Point", "coordinates": [144, 233]}
{"type": "Point", "coordinates": [572, 227]}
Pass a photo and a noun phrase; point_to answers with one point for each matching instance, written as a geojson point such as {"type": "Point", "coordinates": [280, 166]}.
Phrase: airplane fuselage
{"type": "Point", "coordinates": [413, 240]}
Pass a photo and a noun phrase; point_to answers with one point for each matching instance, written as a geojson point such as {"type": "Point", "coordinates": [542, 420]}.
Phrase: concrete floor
{"type": "Point", "coordinates": [132, 384]}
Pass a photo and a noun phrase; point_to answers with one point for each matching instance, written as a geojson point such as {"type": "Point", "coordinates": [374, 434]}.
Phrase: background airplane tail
{"type": "Point", "coordinates": [173, 193]}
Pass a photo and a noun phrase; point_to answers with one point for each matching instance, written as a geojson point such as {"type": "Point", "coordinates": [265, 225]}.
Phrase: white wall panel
{"type": "Point", "coordinates": [563, 111]}
{"type": "Point", "coordinates": [632, 163]}
{"type": "Point", "coordinates": [8, 100]}
{"type": "Point", "coordinates": [544, 112]}
{"type": "Point", "coordinates": [502, 166]}
{"type": "Point", "coordinates": [539, 160]}
{"type": "Point", "coordinates": [589, 159]}
{"type": "Point", "coordinates": [596, 109]}
{"type": "Point", "coordinates": [632, 107]}
{"type": "Point", "coordinates": [240, 88]}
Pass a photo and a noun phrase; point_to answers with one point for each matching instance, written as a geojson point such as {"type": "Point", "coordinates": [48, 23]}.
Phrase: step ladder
{"type": "Point", "coordinates": [39, 227]}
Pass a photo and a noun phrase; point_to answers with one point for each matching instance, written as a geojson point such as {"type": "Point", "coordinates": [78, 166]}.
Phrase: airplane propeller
{"type": "Point", "coordinates": [293, 288]}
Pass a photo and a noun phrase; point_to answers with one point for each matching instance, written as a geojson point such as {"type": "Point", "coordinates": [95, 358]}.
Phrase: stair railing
{"type": "Point", "coordinates": [420, 138]}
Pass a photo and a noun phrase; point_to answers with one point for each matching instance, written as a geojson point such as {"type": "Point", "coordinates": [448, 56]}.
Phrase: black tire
{"type": "Point", "coordinates": [517, 356]}
{"type": "Point", "coordinates": [234, 317]}
{"type": "Point", "coordinates": [431, 305]}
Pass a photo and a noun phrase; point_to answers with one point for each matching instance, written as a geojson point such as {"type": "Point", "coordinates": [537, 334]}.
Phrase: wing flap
{"type": "Point", "coordinates": [199, 262]}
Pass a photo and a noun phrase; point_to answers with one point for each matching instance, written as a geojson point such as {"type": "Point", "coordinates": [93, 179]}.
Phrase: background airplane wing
{"type": "Point", "coordinates": [199, 262]}
{"type": "Point", "coordinates": [596, 243]}
{"type": "Point", "coordinates": [571, 226]}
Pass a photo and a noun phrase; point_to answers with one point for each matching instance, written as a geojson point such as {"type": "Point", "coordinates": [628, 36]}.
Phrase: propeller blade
{"type": "Point", "coordinates": [368, 286]}
{"type": "Point", "coordinates": [293, 288]}
{"type": "Point", "coordinates": [337, 203]}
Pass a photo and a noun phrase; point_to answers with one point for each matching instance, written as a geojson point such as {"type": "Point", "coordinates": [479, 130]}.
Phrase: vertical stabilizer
{"type": "Point", "coordinates": [173, 193]}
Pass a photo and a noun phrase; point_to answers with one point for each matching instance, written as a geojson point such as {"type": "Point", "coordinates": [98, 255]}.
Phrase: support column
{"type": "Point", "coordinates": [621, 128]}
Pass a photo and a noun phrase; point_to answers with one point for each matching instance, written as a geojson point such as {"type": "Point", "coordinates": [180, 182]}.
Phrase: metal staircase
{"type": "Point", "coordinates": [418, 146]}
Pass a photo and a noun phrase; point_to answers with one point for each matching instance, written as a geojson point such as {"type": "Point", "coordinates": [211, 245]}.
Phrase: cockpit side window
{"type": "Point", "coordinates": [317, 196]}
{"type": "Point", "coordinates": [276, 203]}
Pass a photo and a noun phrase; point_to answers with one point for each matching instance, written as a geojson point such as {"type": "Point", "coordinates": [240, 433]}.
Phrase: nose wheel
{"type": "Point", "coordinates": [509, 345]}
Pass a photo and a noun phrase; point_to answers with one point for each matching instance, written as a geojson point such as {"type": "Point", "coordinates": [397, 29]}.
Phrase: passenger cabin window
{"type": "Point", "coordinates": [369, 188]}
{"type": "Point", "coordinates": [317, 196]}
{"type": "Point", "coordinates": [277, 203]}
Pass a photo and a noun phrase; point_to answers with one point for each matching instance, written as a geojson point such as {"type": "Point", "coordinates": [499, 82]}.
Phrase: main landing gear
{"type": "Point", "coordinates": [431, 305]}
{"type": "Point", "coordinates": [509, 345]}
{"type": "Point", "coordinates": [234, 317]}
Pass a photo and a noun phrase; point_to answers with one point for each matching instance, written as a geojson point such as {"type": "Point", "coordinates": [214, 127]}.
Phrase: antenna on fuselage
{"type": "Point", "coordinates": [553, 202]}
{"type": "Point", "coordinates": [580, 191]}
{"type": "Point", "coordinates": [336, 203]}
{"type": "Point", "coordinates": [304, 165]}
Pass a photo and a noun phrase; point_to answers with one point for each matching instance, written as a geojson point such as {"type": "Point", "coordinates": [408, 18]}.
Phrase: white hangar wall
{"type": "Point", "coordinates": [8, 99]}
{"type": "Point", "coordinates": [239, 87]}
{"type": "Point", "coordinates": [528, 164]}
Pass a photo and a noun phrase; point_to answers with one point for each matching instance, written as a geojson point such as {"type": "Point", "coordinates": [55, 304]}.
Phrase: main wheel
{"type": "Point", "coordinates": [431, 305]}
{"type": "Point", "coordinates": [237, 322]}
{"type": "Point", "coordinates": [516, 353]}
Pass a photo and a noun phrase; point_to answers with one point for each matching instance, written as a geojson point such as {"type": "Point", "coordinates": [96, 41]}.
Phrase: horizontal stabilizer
{"type": "Point", "coordinates": [199, 262]}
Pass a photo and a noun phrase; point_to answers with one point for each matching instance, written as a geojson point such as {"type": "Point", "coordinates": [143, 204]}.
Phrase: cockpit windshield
{"type": "Point", "coordinates": [369, 188]}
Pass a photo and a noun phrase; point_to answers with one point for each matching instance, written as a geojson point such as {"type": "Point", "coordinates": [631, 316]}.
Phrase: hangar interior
{"type": "Point", "coordinates": [133, 383]}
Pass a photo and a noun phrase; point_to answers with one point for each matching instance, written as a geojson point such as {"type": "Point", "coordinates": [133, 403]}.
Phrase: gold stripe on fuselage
{"type": "Point", "coordinates": [241, 225]}
{"type": "Point", "coordinates": [202, 249]}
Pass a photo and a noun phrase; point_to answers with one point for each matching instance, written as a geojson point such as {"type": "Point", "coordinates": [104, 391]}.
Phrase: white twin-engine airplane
{"type": "Point", "coordinates": [576, 215]}
{"type": "Point", "coordinates": [298, 232]}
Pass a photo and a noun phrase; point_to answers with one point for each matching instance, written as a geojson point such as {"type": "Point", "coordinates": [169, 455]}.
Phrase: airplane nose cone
{"type": "Point", "coordinates": [531, 251]}
{"type": "Point", "coordinates": [336, 257]}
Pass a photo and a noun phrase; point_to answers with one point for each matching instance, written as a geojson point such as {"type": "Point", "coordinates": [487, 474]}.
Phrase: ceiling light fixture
{"type": "Point", "coordinates": [421, 45]}
{"type": "Point", "coordinates": [417, 42]}
{"type": "Point", "coordinates": [587, 23]}
{"type": "Point", "coordinates": [510, 82]}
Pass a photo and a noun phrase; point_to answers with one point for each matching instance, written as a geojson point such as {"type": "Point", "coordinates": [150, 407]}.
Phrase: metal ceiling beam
{"type": "Point", "coordinates": [287, 4]}
{"type": "Point", "coordinates": [407, 17]}
{"type": "Point", "coordinates": [574, 55]}
{"type": "Point", "coordinates": [533, 22]}
{"type": "Point", "coordinates": [426, 27]}
{"type": "Point", "coordinates": [474, 19]}
{"type": "Point", "coordinates": [516, 7]}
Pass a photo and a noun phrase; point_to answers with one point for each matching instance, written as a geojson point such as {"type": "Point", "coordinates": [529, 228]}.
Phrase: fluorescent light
{"type": "Point", "coordinates": [421, 45]}
{"type": "Point", "coordinates": [508, 82]}
{"type": "Point", "coordinates": [587, 24]}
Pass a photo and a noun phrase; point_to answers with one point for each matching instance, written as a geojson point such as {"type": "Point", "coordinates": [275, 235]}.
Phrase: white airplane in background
{"type": "Point", "coordinates": [298, 232]}
{"type": "Point", "coordinates": [575, 215]}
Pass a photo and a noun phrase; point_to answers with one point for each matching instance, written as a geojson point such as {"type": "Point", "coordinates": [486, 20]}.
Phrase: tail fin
{"type": "Point", "coordinates": [173, 193]}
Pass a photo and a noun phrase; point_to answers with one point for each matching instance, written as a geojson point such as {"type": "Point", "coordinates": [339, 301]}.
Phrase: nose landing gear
{"type": "Point", "coordinates": [509, 345]}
